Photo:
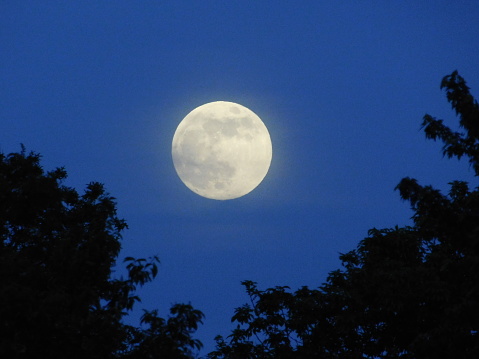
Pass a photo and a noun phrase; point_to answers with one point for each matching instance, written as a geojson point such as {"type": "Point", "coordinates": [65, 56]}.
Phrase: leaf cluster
{"type": "Point", "coordinates": [457, 144]}
{"type": "Point", "coordinates": [59, 297]}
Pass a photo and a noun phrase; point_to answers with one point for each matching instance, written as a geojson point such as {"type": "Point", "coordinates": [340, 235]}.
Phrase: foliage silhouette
{"type": "Point", "coordinates": [58, 295]}
{"type": "Point", "coordinates": [408, 292]}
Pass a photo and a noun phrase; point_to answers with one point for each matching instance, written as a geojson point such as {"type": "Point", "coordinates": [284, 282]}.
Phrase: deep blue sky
{"type": "Point", "coordinates": [100, 86]}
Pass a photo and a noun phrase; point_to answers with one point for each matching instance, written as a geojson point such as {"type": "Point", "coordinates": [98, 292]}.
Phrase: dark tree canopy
{"type": "Point", "coordinates": [408, 292]}
{"type": "Point", "coordinates": [59, 297]}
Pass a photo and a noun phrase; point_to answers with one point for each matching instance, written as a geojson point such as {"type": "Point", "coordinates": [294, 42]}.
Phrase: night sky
{"type": "Point", "coordinates": [100, 86]}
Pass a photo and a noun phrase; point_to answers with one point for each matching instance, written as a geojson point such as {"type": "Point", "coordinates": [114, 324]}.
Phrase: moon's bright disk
{"type": "Point", "coordinates": [221, 150]}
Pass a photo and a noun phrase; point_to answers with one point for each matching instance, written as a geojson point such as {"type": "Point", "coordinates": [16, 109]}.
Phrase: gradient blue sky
{"type": "Point", "coordinates": [100, 86]}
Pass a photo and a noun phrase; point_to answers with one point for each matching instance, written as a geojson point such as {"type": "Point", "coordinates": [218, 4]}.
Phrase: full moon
{"type": "Point", "coordinates": [221, 150]}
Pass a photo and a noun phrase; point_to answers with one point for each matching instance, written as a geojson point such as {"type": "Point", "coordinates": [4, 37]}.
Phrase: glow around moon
{"type": "Point", "coordinates": [221, 150]}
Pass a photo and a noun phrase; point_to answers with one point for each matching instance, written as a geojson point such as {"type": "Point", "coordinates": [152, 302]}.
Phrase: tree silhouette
{"type": "Point", "coordinates": [59, 297]}
{"type": "Point", "coordinates": [408, 292]}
